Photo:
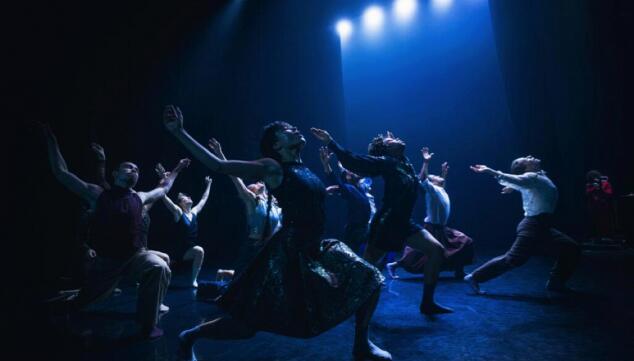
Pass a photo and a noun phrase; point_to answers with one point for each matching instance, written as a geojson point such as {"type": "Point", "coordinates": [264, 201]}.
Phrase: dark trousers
{"type": "Point", "coordinates": [535, 235]}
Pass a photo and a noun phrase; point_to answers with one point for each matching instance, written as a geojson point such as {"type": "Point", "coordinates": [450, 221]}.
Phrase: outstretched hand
{"type": "Point", "coordinates": [208, 180]}
{"type": "Point", "coordinates": [322, 135]}
{"type": "Point", "coordinates": [425, 154]}
{"type": "Point", "coordinates": [444, 168]}
{"type": "Point", "coordinates": [161, 172]}
{"type": "Point", "coordinates": [480, 168]}
{"type": "Point", "coordinates": [182, 164]}
{"type": "Point", "coordinates": [99, 151]}
{"type": "Point", "coordinates": [173, 118]}
{"type": "Point", "coordinates": [215, 146]}
{"type": "Point", "coordinates": [324, 155]}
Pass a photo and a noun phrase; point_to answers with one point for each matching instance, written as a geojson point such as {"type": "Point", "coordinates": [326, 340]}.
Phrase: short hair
{"type": "Point", "coordinates": [377, 147]}
{"type": "Point", "coordinates": [592, 175]}
{"type": "Point", "coordinates": [268, 139]}
{"type": "Point", "coordinates": [518, 166]}
{"type": "Point", "coordinates": [182, 195]}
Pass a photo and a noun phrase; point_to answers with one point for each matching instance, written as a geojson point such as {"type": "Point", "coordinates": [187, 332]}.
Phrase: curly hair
{"type": "Point", "coordinates": [377, 147]}
{"type": "Point", "coordinates": [269, 138]}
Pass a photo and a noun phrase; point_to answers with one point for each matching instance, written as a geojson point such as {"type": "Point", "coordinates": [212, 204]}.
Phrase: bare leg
{"type": "Point", "coordinates": [196, 254]}
{"type": "Point", "coordinates": [424, 241]}
{"type": "Point", "coordinates": [391, 269]}
{"type": "Point", "coordinates": [222, 328]}
{"type": "Point", "coordinates": [363, 348]}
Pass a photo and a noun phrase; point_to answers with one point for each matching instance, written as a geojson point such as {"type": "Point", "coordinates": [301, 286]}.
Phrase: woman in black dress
{"type": "Point", "coordinates": [392, 226]}
{"type": "Point", "coordinates": [299, 285]}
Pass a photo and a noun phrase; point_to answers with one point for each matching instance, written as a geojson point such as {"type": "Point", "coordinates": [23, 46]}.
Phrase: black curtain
{"type": "Point", "coordinates": [567, 67]}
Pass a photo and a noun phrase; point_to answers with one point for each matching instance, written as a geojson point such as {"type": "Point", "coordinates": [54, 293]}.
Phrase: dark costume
{"type": "Point", "coordinates": [188, 235]}
{"type": "Point", "coordinates": [299, 285]}
{"type": "Point", "coordinates": [392, 224]}
{"type": "Point", "coordinates": [359, 211]}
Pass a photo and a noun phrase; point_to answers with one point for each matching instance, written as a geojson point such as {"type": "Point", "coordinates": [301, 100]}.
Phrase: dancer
{"type": "Point", "coordinates": [254, 196]}
{"type": "Point", "coordinates": [115, 236]}
{"type": "Point", "coordinates": [187, 219]}
{"type": "Point", "coordinates": [298, 285]}
{"type": "Point", "coordinates": [145, 215]}
{"type": "Point", "coordinates": [535, 233]}
{"type": "Point", "coordinates": [600, 207]}
{"type": "Point", "coordinates": [458, 247]}
{"type": "Point", "coordinates": [360, 207]}
{"type": "Point", "coordinates": [392, 226]}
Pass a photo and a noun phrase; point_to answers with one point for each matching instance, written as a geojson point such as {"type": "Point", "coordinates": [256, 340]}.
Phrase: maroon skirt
{"type": "Point", "coordinates": [458, 250]}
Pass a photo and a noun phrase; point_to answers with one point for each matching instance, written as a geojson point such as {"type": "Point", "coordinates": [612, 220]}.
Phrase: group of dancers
{"type": "Point", "coordinates": [298, 284]}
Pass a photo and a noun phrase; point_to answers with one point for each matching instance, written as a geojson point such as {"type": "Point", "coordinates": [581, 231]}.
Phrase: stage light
{"type": "Point", "coordinates": [373, 18]}
{"type": "Point", "coordinates": [441, 6]}
{"type": "Point", "coordinates": [404, 10]}
{"type": "Point", "coordinates": [344, 29]}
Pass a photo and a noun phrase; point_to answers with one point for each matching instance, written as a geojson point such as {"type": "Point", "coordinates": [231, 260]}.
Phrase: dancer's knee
{"type": "Point", "coordinates": [514, 261]}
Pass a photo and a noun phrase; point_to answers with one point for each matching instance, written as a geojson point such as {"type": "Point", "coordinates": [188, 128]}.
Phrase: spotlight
{"type": "Point", "coordinates": [344, 29]}
{"type": "Point", "coordinates": [373, 18]}
{"type": "Point", "coordinates": [440, 6]}
{"type": "Point", "coordinates": [404, 10]}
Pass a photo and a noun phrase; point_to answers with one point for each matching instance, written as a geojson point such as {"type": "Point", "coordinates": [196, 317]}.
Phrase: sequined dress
{"type": "Point", "coordinates": [300, 285]}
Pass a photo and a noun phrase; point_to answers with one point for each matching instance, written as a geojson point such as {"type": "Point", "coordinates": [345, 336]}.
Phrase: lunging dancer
{"type": "Point", "coordinates": [458, 246]}
{"type": "Point", "coordinates": [115, 236]}
{"type": "Point", "coordinates": [360, 206]}
{"type": "Point", "coordinates": [535, 233]}
{"type": "Point", "coordinates": [392, 226]}
{"type": "Point", "coordinates": [186, 217]}
{"type": "Point", "coordinates": [298, 285]}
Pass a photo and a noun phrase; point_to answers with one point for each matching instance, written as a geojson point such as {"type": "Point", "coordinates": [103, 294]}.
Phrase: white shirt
{"type": "Point", "coordinates": [437, 201]}
{"type": "Point", "coordinates": [539, 193]}
{"type": "Point", "coordinates": [257, 219]}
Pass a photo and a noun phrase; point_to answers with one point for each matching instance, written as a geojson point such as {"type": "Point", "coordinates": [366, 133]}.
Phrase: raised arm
{"type": "Point", "coordinates": [265, 169]}
{"type": "Point", "coordinates": [333, 177]}
{"type": "Point", "coordinates": [100, 157]}
{"type": "Point", "coordinates": [175, 210]}
{"type": "Point", "coordinates": [165, 184]}
{"type": "Point", "coordinates": [203, 200]}
{"type": "Point", "coordinates": [87, 191]}
{"type": "Point", "coordinates": [243, 192]}
{"type": "Point", "coordinates": [424, 169]}
{"type": "Point", "coordinates": [444, 170]}
{"type": "Point", "coordinates": [508, 180]}
{"type": "Point", "coordinates": [364, 164]}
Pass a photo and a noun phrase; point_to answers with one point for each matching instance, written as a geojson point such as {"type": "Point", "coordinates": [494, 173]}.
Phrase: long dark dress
{"type": "Point", "coordinates": [299, 285]}
{"type": "Point", "coordinates": [392, 223]}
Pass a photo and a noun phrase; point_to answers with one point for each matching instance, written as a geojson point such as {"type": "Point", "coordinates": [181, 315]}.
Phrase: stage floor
{"type": "Point", "coordinates": [517, 320]}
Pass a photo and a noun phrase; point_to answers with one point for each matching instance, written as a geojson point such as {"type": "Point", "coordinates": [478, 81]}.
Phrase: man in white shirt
{"type": "Point", "coordinates": [535, 233]}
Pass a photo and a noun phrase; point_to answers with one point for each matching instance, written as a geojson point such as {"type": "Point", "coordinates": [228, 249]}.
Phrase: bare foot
{"type": "Point", "coordinates": [391, 270]}
{"type": "Point", "coordinates": [475, 286]}
{"type": "Point", "coordinates": [434, 309]}
{"type": "Point", "coordinates": [370, 351]}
